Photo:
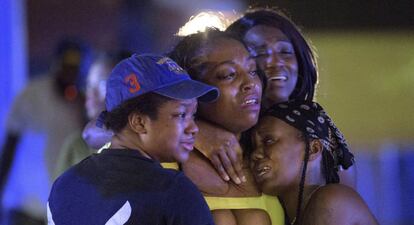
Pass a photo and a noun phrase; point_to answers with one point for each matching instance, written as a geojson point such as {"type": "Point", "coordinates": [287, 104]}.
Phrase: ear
{"type": "Point", "coordinates": [315, 149]}
{"type": "Point", "coordinates": [138, 123]}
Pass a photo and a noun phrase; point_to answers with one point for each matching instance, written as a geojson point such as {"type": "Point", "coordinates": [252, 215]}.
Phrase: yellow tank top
{"type": "Point", "coordinates": [270, 204]}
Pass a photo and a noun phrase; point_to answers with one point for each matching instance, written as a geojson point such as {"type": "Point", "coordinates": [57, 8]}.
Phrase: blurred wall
{"type": "Point", "coordinates": [13, 55]}
{"type": "Point", "coordinates": [96, 22]}
{"type": "Point", "coordinates": [367, 83]}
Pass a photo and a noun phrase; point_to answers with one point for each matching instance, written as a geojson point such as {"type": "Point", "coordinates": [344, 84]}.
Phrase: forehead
{"type": "Point", "coordinates": [262, 34]}
{"type": "Point", "coordinates": [174, 104]}
{"type": "Point", "coordinates": [224, 49]}
{"type": "Point", "coordinates": [270, 124]}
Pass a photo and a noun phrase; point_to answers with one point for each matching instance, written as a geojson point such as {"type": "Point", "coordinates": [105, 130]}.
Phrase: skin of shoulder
{"type": "Point", "coordinates": [337, 204]}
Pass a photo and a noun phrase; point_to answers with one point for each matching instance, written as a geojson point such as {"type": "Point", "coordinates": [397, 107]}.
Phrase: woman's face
{"type": "Point", "coordinates": [278, 155]}
{"type": "Point", "coordinates": [227, 65]}
{"type": "Point", "coordinates": [275, 56]}
{"type": "Point", "coordinates": [176, 128]}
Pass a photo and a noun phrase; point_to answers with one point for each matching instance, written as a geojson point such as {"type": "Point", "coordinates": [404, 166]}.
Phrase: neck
{"type": "Point", "coordinates": [267, 103]}
{"type": "Point", "coordinates": [209, 128]}
{"type": "Point", "coordinates": [122, 141]}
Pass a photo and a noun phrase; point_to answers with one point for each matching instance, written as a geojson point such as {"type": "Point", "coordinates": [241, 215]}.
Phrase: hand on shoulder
{"type": "Point", "coordinates": [223, 150]}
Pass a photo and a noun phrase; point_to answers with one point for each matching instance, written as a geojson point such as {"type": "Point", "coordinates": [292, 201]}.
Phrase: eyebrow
{"type": "Point", "coordinates": [265, 45]}
{"type": "Point", "coordinates": [214, 66]}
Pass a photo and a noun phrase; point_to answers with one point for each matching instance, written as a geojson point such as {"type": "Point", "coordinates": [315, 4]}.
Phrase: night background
{"type": "Point", "coordinates": [365, 55]}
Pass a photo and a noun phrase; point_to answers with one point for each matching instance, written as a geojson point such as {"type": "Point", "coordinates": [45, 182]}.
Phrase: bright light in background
{"type": "Point", "coordinates": [202, 20]}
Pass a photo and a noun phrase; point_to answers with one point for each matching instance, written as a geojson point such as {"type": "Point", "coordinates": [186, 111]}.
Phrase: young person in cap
{"type": "Point", "coordinates": [297, 156]}
{"type": "Point", "coordinates": [150, 103]}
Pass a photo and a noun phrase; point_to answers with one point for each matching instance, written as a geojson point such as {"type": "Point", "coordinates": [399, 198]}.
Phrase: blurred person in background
{"type": "Point", "coordinates": [42, 116]}
{"type": "Point", "coordinates": [75, 148]}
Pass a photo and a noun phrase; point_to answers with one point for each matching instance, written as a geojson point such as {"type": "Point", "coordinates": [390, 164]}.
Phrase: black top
{"type": "Point", "coordinates": [120, 186]}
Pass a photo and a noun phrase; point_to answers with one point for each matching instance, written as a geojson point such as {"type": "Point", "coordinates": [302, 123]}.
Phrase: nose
{"type": "Point", "coordinates": [257, 154]}
{"type": "Point", "coordinates": [249, 82]}
{"type": "Point", "coordinates": [248, 86]}
{"type": "Point", "coordinates": [274, 60]}
{"type": "Point", "coordinates": [192, 127]}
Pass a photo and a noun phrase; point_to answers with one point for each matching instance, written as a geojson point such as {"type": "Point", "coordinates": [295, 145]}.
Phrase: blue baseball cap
{"type": "Point", "coordinates": [141, 74]}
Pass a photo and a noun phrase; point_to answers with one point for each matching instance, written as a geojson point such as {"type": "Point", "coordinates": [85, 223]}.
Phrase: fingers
{"type": "Point", "coordinates": [228, 166]}
{"type": "Point", "coordinates": [236, 161]}
{"type": "Point", "coordinates": [215, 160]}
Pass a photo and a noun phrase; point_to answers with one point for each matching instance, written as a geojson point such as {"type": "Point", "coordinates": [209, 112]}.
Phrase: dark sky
{"type": "Point", "coordinates": [348, 14]}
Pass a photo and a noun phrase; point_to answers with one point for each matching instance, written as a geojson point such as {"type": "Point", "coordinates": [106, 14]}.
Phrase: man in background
{"type": "Point", "coordinates": [41, 117]}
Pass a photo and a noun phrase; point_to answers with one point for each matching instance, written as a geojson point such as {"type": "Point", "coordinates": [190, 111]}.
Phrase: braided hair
{"type": "Point", "coordinates": [311, 119]}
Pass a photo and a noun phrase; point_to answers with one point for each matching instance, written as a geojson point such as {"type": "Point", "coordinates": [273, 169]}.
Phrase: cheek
{"type": "Point", "coordinates": [259, 86]}
{"type": "Point", "coordinates": [228, 92]}
{"type": "Point", "coordinates": [293, 66]}
{"type": "Point", "coordinates": [223, 103]}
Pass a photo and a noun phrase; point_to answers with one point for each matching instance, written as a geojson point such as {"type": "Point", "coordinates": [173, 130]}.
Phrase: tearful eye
{"type": "Point", "coordinates": [267, 141]}
{"type": "Point", "coordinates": [227, 76]}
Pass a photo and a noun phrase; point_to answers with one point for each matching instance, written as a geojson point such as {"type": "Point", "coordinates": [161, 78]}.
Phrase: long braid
{"type": "Point", "coordinates": [302, 180]}
{"type": "Point", "coordinates": [329, 169]}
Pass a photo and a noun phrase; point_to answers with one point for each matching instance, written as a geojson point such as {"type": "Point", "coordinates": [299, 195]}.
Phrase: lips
{"type": "Point", "coordinates": [260, 171]}
{"type": "Point", "coordinates": [188, 144]}
{"type": "Point", "coordinates": [251, 102]}
{"type": "Point", "coordinates": [277, 78]}
{"type": "Point", "coordinates": [274, 75]}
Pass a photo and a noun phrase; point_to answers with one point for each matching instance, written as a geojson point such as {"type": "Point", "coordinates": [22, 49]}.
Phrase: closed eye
{"type": "Point", "coordinates": [228, 76]}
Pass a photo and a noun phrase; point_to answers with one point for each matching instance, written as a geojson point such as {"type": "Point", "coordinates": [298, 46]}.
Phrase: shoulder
{"type": "Point", "coordinates": [200, 171]}
{"type": "Point", "coordinates": [334, 192]}
{"type": "Point", "coordinates": [337, 204]}
{"type": "Point", "coordinates": [180, 182]}
{"type": "Point", "coordinates": [185, 204]}
{"type": "Point", "coordinates": [183, 192]}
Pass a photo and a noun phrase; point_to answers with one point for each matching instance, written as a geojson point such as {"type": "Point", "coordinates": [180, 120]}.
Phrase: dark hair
{"type": "Point", "coordinates": [302, 178]}
{"type": "Point", "coordinates": [308, 74]}
{"type": "Point", "coordinates": [189, 47]}
{"type": "Point", "coordinates": [328, 170]}
{"type": "Point", "coordinates": [146, 104]}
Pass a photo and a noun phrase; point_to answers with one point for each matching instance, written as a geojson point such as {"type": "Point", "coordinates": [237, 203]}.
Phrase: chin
{"type": "Point", "coordinates": [268, 188]}
{"type": "Point", "coordinates": [277, 98]}
{"type": "Point", "coordinates": [250, 121]}
{"type": "Point", "coordinates": [182, 158]}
